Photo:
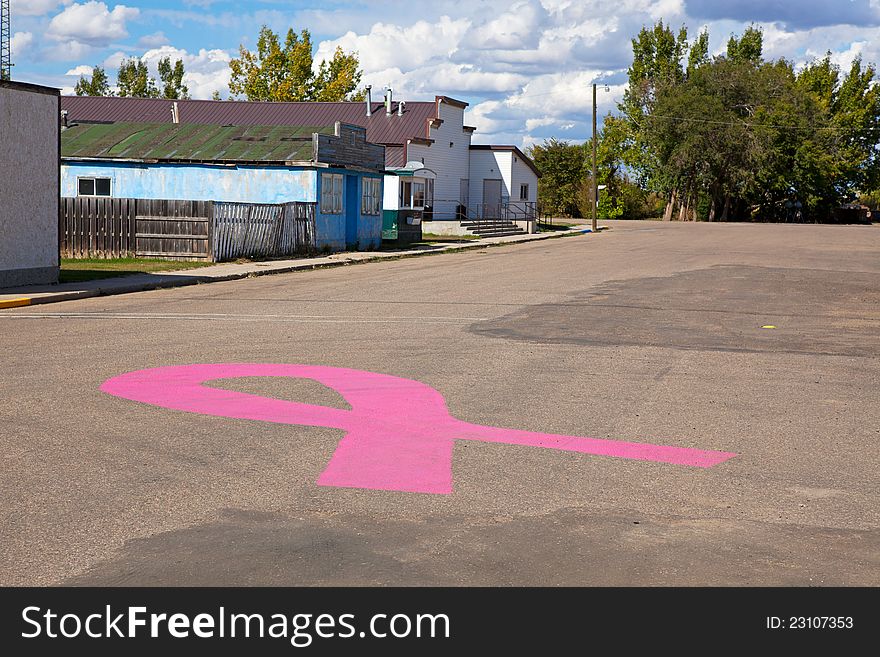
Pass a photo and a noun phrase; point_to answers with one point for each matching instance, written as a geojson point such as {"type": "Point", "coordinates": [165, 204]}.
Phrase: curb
{"type": "Point", "coordinates": [184, 280]}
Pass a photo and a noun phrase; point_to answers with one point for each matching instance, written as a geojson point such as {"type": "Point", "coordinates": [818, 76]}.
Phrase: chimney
{"type": "Point", "coordinates": [369, 100]}
{"type": "Point", "coordinates": [64, 118]}
{"type": "Point", "coordinates": [400, 105]}
{"type": "Point", "coordinates": [175, 113]}
{"type": "Point", "coordinates": [388, 111]}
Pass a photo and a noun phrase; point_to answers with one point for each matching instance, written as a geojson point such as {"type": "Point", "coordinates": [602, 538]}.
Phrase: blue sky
{"type": "Point", "coordinates": [524, 65]}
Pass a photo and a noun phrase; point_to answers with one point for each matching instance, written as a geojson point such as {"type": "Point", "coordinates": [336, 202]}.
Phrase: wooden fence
{"type": "Point", "coordinates": [94, 227]}
{"type": "Point", "coordinates": [262, 230]}
{"type": "Point", "coordinates": [173, 229]}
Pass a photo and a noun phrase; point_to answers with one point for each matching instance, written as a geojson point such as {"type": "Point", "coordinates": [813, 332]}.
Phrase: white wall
{"type": "Point", "coordinates": [492, 165]}
{"type": "Point", "coordinates": [450, 163]}
{"type": "Point", "coordinates": [506, 165]}
{"type": "Point", "coordinates": [29, 170]}
{"type": "Point", "coordinates": [522, 174]}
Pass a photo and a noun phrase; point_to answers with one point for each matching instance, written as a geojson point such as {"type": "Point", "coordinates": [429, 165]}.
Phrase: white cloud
{"type": "Point", "coordinates": [35, 7]}
{"type": "Point", "coordinates": [388, 46]}
{"type": "Point", "coordinates": [20, 42]}
{"type": "Point", "coordinates": [82, 69]}
{"type": "Point", "coordinates": [205, 72]}
{"type": "Point", "coordinates": [153, 40]}
{"type": "Point", "coordinates": [91, 23]}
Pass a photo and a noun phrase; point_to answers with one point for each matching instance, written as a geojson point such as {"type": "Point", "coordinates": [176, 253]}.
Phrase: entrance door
{"type": "Point", "coordinates": [491, 198]}
{"type": "Point", "coordinates": [352, 210]}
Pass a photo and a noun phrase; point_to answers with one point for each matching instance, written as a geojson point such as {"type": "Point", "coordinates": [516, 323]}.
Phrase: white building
{"type": "Point", "coordinates": [430, 136]}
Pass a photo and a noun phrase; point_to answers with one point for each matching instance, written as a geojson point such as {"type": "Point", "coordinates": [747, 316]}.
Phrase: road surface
{"type": "Point", "coordinates": [646, 333]}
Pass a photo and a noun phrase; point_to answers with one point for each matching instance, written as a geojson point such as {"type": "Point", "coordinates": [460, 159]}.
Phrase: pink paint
{"type": "Point", "coordinates": [399, 434]}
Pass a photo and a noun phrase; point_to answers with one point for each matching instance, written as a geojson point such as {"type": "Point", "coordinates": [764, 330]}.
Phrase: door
{"type": "Point", "coordinates": [352, 210]}
{"type": "Point", "coordinates": [491, 198]}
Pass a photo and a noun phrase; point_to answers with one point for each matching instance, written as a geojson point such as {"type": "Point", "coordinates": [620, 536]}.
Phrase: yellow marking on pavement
{"type": "Point", "coordinates": [768, 326]}
{"type": "Point", "coordinates": [15, 303]}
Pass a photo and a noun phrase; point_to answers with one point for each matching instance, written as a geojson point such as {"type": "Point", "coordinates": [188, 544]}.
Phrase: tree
{"type": "Point", "coordinates": [172, 79]}
{"type": "Point", "coordinates": [277, 72]}
{"type": "Point", "coordinates": [134, 81]}
{"type": "Point", "coordinates": [562, 167]}
{"type": "Point", "coordinates": [98, 85]}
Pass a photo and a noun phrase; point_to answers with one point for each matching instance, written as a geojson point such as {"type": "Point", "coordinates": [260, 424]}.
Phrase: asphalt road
{"type": "Point", "coordinates": [648, 332]}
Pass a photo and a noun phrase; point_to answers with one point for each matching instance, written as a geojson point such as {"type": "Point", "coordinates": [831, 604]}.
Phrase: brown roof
{"type": "Point", "coordinates": [525, 158]}
{"type": "Point", "coordinates": [381, 129]}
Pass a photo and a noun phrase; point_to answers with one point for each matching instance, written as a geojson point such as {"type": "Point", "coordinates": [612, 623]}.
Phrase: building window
{"type": "Point", "coordinates": [331, 193]}
{"type": "Point", "coordinates": [524, 192]}
{"type": "Point", "coordinates": [371, 200]}
{"type": "Point", "coordinates": [418, 194]}
{"type": "Point", "coordinates": [412, 193]}
{"type": "Point", "coordinates": [93, 187]}
{"type": "Point", "coordinates": [429, 193]}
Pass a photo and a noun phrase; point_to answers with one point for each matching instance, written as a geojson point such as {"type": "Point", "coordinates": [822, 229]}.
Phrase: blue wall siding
{"type": "Point", "coordinates": [241, 184]}
{"type": "Point", "coordinates": [197, 182]}
{"type": "Point", "coordinates": [330, 228]}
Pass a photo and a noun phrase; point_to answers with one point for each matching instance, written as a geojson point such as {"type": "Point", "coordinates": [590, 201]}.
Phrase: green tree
{"type": "Point", "coordinates": [277, 72]}
{"type": "Point", "coordinates": [562, 167]}
{"type": "Point", "coordinates": [134, 81]}
{"type": "Point", "coordinates": [748, 48]}
{"type": "Point", "coordinates": [98, 85]}
{"type": "Point", "coordinates": [172, 79]}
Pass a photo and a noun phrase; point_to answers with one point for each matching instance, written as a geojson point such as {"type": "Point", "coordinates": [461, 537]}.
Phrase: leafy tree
{"type": "Point", "coordinates": [134, 81]}
{"type": "Point", "coordinates": [172, 79]}
{"type": "Point", "coordinates": [216, 95]}
{"type": "Point", "coordinates": [285, 72]}
{"type": "Point", "coordinates": [98, 85]}
{"type": "Point", "coordinates": [562, 167]}
{"type": "Point", "coordinates": [748, 47]}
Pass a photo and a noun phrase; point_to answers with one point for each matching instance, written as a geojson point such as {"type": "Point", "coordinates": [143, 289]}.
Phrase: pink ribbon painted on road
{"type": "Point", "coordinates": [399, 434]}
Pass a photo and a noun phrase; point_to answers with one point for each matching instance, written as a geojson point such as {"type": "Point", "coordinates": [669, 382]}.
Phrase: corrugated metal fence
{"type": "Point", "coordinates": [94, 227]}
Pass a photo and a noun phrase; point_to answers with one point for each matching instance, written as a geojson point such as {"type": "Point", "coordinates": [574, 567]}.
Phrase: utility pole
{"type": "Point", "coordinates": [595, 224]}
{"type": "Point", "coordinates": [5, 36]}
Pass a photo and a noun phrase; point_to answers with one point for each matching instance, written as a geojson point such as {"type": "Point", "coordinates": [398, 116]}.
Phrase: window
{"type": "Point", "coordinates": [429, 193]}
{"type": "Point", "coordinates": [331, 193]}
{"type": "Point", "coordinates": [523, 192]}
{"type": "Point", "coordinates": [93, 187]}
{"type": "Point", "coordinates": [405, 193]}
{"type": "Point", "coordinates": [371, 201]}
{"type": "Point", "coordinates": [418, 194]}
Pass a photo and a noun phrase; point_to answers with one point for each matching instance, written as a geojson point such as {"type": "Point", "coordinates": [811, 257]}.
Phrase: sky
{"type": "Point", "coordinates": [525, 66]}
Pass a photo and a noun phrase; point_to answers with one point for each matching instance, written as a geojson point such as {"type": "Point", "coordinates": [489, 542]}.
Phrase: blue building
{"type": "Point", "coordinates": [333, 167]}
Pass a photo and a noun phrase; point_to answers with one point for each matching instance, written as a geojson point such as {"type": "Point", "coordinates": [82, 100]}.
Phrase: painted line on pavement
{"type": "Point", "coordinates": [332, 319]}
{"type": "Point", "coordinates": [15, 303]}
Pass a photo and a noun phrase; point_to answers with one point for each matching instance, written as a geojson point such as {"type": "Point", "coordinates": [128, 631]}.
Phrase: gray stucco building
{"type": "Point", "coordinates": [29, 183]}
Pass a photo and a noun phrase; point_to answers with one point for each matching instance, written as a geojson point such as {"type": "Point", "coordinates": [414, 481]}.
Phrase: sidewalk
{"type": "Point", "coordinates": [33, 295]}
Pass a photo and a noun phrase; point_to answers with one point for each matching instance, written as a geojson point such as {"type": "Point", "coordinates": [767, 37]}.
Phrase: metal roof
{"type": "Point", "coordinates": [381, 128]}
{"type": "Point", "coordinates": [166, 142]}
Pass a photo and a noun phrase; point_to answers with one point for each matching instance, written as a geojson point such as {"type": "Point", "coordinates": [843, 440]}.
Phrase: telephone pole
{"type": "Point", "coordinates": [595, 224]}
{"type": "Point", "coordinates": [5, 36]}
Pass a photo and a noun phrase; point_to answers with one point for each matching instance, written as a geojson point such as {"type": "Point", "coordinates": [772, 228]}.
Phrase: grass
{"type": "Point", "coordinates": [77, 270]}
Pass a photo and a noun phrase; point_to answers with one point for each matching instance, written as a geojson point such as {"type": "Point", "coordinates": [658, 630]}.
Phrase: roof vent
{"type": "Point", "coordinates": [388, 93]}
{"type": "Point", "coordinates": [369, 100]}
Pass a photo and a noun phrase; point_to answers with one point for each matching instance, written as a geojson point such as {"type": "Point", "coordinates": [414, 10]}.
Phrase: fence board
{"type": "Point", "coordinates": [96, 227]}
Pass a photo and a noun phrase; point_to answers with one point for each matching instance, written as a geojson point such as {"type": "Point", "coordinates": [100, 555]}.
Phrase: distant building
{"type": "Point", "coordinates": [333, 167]}
{"type": "Point", "coordinates": [432, 134]}
{"type": "Point", "coordinates": [28, 184]}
